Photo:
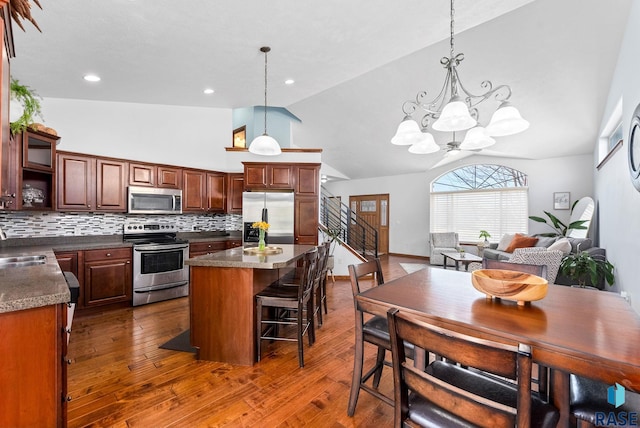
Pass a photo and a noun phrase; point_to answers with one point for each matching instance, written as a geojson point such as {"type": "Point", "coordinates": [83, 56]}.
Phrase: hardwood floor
{"type": "Point", "coordinates": [121, 378]}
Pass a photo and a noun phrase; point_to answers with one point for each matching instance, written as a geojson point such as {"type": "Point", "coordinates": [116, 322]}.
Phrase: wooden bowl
{"type": "Point", "coordinates": [509, 284]}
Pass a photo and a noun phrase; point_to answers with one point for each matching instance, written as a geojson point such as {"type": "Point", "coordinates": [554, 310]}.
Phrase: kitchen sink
{"type": "Point", "coordinates": [22, 261]}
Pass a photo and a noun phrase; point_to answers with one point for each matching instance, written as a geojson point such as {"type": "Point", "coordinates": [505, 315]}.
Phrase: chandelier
{"type": "Point", "coordinates": [264, 144]}
{"type": "Point", "coordinates": [454, 109]}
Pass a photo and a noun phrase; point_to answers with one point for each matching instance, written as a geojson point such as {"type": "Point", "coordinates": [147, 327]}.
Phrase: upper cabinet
{"type": "Point", "coordinates": [87, 183]}
{"type": "Point", "coordinates": [32, 169]}
{"type": "Point", "coordinates": [235, 185]}
{"type": "Point", "coordinates": [169, 177]}
{"type": "Point", "coordinates": [204, 191]}
{"type": "Point", "coordinates": [258, 176]}
{"type": "Point", "coordinates": [307, 179]}
{"type": "Point", "coordinates": [146, 174]}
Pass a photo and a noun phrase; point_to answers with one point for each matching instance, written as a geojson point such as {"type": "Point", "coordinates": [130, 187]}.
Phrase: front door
{"type": "Point", "coordinates": [374, 209]}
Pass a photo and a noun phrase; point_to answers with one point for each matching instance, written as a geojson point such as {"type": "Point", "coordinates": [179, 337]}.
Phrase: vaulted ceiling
{"type": "Point", "coordinates": [354, 64]}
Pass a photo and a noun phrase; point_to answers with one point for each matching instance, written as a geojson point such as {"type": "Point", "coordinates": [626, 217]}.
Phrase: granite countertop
{"type": "Point", "coordinates": [41, 285]}
{"type": "Point", "coordinates": [32, 286]}
{"type": "Point", "coordinates": [237, 258]}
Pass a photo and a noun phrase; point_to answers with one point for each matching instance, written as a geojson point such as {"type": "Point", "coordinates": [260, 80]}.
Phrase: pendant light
{"type": "Point", "coordinates": [264, 144]}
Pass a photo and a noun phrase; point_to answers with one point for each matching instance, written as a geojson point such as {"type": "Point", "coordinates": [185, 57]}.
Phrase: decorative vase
{"type": "Point", "coordinates": [261, 243]}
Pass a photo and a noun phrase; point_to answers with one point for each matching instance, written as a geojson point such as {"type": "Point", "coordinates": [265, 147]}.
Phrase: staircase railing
{"type": "Point", "coordinates": [340, 221]}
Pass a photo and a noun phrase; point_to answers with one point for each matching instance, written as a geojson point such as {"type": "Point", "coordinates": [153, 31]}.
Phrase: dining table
{"type": "Point", "coordinates": [586, 332]}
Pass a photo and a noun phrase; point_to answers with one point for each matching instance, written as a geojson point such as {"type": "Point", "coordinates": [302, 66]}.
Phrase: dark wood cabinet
{"type": "Point", "coordinates": [305, 227]}
{"type": "Point", "coordinates": [216, 192]}
{"type": "Point", "coordinates": [68, 261]}
{"type": "Point", "coordinates": [107, 277]}
{"type": "Point", "coordinates": [307, 179]}
{"type": "Point", "coordinates": [142, 174]}
{"type": "Point", "coordinates": [234, 243]}
{"type": "Point", "coordinates": [76, 182]}
{"type": "Point", "coordinates": [234, 194]}
{"type": "Point", "coordinates": [202, 248]}
{"type": "Point", "coordinates": [6, 193]}
{"type": "Point", "coordinates": [87, 183]}
{"type": "Point", "coordinates": [267, 176]}
{"type": "Point", "coordinates": [111, 185]}
{"type": "Point", "coordinates": [194, 191]}
{"type": "Point", "coordinates": [169, 177]}
{"type": "Point", "coordinates": [33, 373]}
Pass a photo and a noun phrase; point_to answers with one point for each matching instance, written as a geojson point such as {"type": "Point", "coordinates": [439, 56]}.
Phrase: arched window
{"type": "Point", "coordinates": [480, 197]}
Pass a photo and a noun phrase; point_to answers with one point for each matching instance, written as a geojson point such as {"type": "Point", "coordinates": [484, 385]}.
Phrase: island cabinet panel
{"type": "Point", "coordinates": [234, 194]}
{"type": "Point", "coordinates": [194, 191]}
{"type": "Point", "coordinates": [142, 174]}
{"type": "Point", "coordinates": [216, 192]}
{"type": "Point", "coordinates": [306, 220]}
{"type": "Point", "coordinates": [107, 276]}
{"type": "Point", "coordinates": [169, 177]}
{"type": "Point", "coordinates": [33, 373]}
{"type": "Point", "coordinates": [111, 185]}
{"type": "Point", "coordinates": [267, 176]}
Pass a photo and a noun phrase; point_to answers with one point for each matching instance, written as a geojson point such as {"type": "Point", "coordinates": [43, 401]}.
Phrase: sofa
{"type": "Point", "coordinates": [577, 245]}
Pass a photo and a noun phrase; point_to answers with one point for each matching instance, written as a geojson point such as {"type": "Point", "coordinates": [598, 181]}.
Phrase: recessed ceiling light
{"type": "Point", "coordinates": [91, 78]}
{"type": "Point", "coordinates": [289, 82]}
{"type": "Point", "coordinates": [208, 91]}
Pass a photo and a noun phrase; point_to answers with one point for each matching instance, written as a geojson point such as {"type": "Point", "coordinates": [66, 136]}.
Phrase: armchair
{"type": "Point", "coordinates": [442, 242]}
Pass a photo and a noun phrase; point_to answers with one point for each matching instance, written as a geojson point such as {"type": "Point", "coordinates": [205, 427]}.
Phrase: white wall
{"type": "Point", "coordinates": [174, 135]}
{"type": "Point", "coordinates": [617, 200]}
{"type": "Point", "coordinates": [409, 194]}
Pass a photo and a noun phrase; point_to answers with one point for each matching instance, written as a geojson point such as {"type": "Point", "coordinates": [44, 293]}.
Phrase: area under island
{"type": "Point", "coordinates": [222, 293]}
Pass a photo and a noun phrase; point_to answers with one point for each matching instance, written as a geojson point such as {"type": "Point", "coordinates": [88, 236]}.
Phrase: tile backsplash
{"type": "Point", "coordinates": [28, 224]}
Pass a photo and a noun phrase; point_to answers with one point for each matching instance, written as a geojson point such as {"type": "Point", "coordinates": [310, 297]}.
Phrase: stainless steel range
{"type": "Point", "coordinates": [159, 272]}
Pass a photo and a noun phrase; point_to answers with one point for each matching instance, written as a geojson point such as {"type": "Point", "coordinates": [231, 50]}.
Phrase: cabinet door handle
{"type": "Point", "coordinates": [128, 262]}
{"type": "Point", "coordinates": [67, 398]}
{"type": "Point", "coordinates": [89, 206]}
{"type": "Point", "coordinates": [99, 206]}
{"type": "Point", "coordinates": [108, 254]}
{"type": "Point", "coordinates": [68, 361]}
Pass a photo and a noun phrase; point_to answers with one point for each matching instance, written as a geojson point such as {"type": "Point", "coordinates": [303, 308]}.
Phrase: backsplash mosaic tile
{"type": "Point", "coordinates": [23, 224]}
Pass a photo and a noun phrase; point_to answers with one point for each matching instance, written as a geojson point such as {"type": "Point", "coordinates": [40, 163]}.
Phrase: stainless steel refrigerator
{"type": "Point", "coordinates": [276, 208]}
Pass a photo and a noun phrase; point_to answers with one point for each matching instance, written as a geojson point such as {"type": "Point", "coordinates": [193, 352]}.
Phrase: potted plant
{"type": "Point", "coordinates": [332, 236]}
{"type": "Point", "coordinates": [582, 266]}
{"type": "Point", "coordinates": [560, 229]}
{"type": "Point", "coordinates": [484, 234]}
{"type": "Point", "coordinates": [25, 106]}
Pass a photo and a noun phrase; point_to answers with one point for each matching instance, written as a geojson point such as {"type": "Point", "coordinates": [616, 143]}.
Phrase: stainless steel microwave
{"type": "Point", "coordinates": [151, 200]}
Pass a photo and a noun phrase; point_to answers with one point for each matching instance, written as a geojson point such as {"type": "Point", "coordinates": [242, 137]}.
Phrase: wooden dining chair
{"type": "Point", "coordinates": [589, 403]}
{"type": "Point", "coordinates": [541, 378]}
{"type": "Point", "coordinates": [290, 305]}
{"type": "Point", "coordinates": [539, 270]}
{"type": "Point", "coordinates": [447, 394]}
{"type": "Point", "coordinates": [318, 291]}
{"type": "Point", "coordinates": [374, 331]}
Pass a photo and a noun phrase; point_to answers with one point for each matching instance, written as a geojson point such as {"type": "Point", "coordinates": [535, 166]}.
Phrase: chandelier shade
{"type": "Point", "coordinates": [425, 145]}
{"type": "Point", "coordinates": [455, 116]}
{"type": "Point", "coordinates": [506, 121]}
{"type": "Point", "coordinates": [408, 133]}
{"type": "Point", "coordinates": [476, 139]}
{"type": "Point", "coordinates": [456, 109]}
{"type": "Point", "coordinates": [265, 145]}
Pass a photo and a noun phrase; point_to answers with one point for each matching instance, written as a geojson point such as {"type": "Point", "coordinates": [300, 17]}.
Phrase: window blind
{"type": "Point", "coordinates": [498, 211]}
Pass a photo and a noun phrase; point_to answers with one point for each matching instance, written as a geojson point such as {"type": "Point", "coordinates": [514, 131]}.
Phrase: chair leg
{"type": "Point", "coordinates": [318, 304]}
{"type": "Point", "coordinates": [300, 342]}
{"type": "Point", "coordinates": [358, 361]}
{"type": "Point", "coordinates": [379, 366]}
{"type": "Point", "coordinates": [311, 320]}
{"type": "Point", "coordinates": [324, 293]}
{"type": "Point", "coordinates": [258, 326]}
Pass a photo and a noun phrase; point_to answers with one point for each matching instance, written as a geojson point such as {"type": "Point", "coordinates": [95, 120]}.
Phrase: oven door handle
{"type": "Point", "coordinates": [160, 287]}
{"type": "Point", "coordinates": [163, 247]}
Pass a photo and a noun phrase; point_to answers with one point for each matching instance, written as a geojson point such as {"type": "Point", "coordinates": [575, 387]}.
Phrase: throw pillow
{"type": "Point", "coordinates": [521, 241]}
{"type": "Point", "coordinates": [546, 241]}
{"type": "Point", "coordinates": [505, 241]}
{"type": "Point", "coordinates": [579, 244]}
{"type": "Point", "coordinates": [562, 244]}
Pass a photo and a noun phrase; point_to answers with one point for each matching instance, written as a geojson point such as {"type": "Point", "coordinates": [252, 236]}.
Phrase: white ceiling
{"type": "Point", "coordinates": [354, 64]}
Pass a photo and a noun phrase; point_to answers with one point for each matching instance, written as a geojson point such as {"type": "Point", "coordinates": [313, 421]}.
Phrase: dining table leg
{"type": "Point", "coordinates": [559, 396]}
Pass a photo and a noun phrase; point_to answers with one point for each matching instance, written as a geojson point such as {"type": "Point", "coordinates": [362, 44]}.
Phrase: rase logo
{"type": "Point", "coordinates": [616, 397]}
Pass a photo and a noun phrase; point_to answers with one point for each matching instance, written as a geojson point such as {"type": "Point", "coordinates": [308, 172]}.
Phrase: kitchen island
{"type": "Point", "coordinates": [222, 293]}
